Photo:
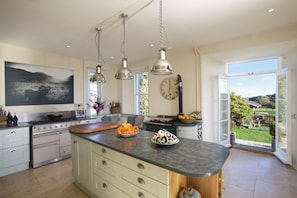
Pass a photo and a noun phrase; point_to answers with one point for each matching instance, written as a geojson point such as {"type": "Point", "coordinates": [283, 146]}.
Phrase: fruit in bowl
{"type": "Point", "coordinates": [187, 118]}
{"type": "Point", "coordinates": [127, 129]}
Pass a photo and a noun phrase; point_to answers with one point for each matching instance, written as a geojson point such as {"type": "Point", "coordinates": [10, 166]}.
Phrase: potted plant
{"type": "Point", "coordinates": [115, 107]}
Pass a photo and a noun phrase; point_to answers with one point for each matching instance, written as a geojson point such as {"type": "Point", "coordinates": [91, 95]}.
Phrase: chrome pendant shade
{"type": "Point", "coordinates": [124, 73]}
{"type": "Point", "coordinates": [162, 66]}
{"type": "Point", "coordinates": [98, 76]}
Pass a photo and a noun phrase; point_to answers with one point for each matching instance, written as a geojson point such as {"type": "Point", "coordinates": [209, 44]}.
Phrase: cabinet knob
{"type": "Point", "coordinates": [141, 195]}
{"type": "Point", "coordinates": [140, 180]}
{"type": "Point", "coordinates": [140, 166]}
{"type": "Point", "coordinates": [74, 142]}
{"type": "Point", "coordinates": [103, 150]}
{"type": "Point", "coordinates": [104, 162]}
{"type": "Point", "coordinates": [104, 185]}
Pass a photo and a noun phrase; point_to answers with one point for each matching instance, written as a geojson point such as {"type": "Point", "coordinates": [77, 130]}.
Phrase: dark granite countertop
{"type": "Point", "coordinates": [188, 157]}
{"type": "Point", "coordinates": [20, 124]}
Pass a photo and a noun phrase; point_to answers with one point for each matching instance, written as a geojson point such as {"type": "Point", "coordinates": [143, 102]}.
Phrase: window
{"type": "Point", "coordinates": [253, 67]}
{"type": "Point", "coordinates": [141, 92]}
{"type": "Point", "coordinates": [94, 91]}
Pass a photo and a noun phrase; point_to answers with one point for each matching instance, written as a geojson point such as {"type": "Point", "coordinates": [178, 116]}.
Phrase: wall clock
{"type": "Point", "coordinates": [169, 88]}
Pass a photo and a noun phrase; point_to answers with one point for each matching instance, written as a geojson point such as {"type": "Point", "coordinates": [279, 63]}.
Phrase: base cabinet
{"type": "Point", "coordinates": [81, 163]}
{"type": "Point", "coordinates": [14, 150]}
{"type": "Point", "coordinates": [104, 172]}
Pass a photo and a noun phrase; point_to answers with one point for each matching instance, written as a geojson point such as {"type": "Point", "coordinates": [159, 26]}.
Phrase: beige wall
{"type": "Point", "coordinates": [183, 63]}
{"type": "Point", "coordinates": [79, 66]}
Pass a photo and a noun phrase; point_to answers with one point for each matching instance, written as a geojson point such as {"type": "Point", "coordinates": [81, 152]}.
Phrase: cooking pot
{"type": "Point", "coordinates": [54, 117]}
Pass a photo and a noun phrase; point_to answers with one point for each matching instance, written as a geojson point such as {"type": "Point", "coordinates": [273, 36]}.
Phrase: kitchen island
{"type": "Point", "coordinates": [123, 166]}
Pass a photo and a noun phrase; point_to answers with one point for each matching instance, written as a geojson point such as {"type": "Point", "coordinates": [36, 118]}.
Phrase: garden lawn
{"type": "Point", "coordinates": [257, 134]}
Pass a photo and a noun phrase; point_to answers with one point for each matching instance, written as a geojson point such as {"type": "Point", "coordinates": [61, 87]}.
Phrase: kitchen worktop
{"type": "Point", "coordinates": [20, 124]}
{"type": "Point", "coordinates": [188, 157]}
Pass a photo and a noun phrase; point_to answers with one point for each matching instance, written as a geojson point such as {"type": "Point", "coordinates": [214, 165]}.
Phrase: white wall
{"type": "Point", "coordinates": [211, 69]}
{"type": "Point", "coordinates": [214, 57]}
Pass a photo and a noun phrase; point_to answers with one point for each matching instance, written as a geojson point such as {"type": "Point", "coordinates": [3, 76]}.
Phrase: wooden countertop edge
{"type": "Point", "coordinates": [93, 127]}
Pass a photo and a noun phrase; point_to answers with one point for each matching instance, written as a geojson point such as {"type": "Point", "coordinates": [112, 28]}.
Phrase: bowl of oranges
{"type": "Point", "coordinates": [187, 118]}
{"type": "Point", "coordinates": [127, 130]}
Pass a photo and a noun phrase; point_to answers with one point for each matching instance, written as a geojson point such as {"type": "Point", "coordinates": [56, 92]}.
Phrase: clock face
{"type": "Point", "coordinates": [169, 88]}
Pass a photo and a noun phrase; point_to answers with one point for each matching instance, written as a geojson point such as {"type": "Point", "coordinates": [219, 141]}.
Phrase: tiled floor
{"type": "Point", "coordinates": [253, 175]}
{"type": "Point", "coordinates": [246, 175]}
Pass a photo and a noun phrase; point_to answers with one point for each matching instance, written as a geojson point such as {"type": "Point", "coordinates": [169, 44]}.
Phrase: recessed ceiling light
{"type": "Point", "coordinates": [68, 46]}
{"type": "Point", "coordinates": [152, 45]}
{"type": "Point", "coordinates": [270, 10]}
{"type": "Point", "coordinates": [112, 57]}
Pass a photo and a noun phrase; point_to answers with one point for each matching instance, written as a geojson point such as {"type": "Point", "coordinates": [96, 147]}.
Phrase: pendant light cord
{"type": "Point", "coordinates": [123, 47]}
{"type": "Point", "coordinates": [162, 29]}
{"type": "Point", "coordinates": [97, 41]}
{"type": "Point", "coordinates": [161, 26]}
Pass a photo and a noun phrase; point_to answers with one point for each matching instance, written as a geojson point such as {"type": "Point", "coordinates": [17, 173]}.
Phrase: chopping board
{"type": "Point", "coordinates": [93, 127]}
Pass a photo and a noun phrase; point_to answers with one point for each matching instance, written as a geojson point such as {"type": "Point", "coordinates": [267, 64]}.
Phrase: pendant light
{"type": "Point", "coordinates": [162, 66]}
{"type": "Point", "coordinates": [124, 73]}
{"type": "Point", "coordinates": [98, 76]}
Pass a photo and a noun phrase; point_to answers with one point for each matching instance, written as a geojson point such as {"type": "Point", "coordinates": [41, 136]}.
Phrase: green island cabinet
{"type": "Point", "coordinates": [106, 165]}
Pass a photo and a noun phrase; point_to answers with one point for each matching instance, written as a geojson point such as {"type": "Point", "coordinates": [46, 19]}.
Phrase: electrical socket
{"type": "Point", "coordinates": [77, 105]}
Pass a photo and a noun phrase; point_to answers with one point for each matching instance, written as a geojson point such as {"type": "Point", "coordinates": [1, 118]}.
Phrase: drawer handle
{"type": "Point", "coordinates": [140, 166]}
{"type": "Point", "coordinates": [103, 150]}
{"type": "Point", "coordinates": [141, 195]}
{"type": "Point", "coordinates": [104, 162]}
{"type": "Point", "coordinates": [104, 185]}
{"type": "Point", "coordinates": [12, 132]}
{"type": "Point", "coordinates": [74, 142]}
{"type": "Point", "coordinates": [13, 150]}
{"type": "Point", "coordinates": [140, 180]}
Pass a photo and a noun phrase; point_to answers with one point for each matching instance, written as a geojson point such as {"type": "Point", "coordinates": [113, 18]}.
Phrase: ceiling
{"type": "Point", "coordinates": [50, 25]}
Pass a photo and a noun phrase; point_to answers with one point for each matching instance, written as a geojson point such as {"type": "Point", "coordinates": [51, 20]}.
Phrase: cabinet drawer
{"type": "Point", "coordinates": [134, 191]}
{"type": "Point", "coordinates": [103, 188]}
{"type": "Point", "coordinates": [14, 137]}
{"type": "Point", "coordinates": [65, 150]}
{"type": "Point", "coordinates": [150, 170]}
{"type": "Point", "coordinates": [107, 169]}
{"type": "Point", "coordinates": [145, 183]}
{"type": "Point", "coordinates": [13, 156]}
{"type": "Point", "coordinates": [106, 152]}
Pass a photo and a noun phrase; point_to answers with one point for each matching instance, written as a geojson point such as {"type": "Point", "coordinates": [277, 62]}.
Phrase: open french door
{"type": "Point", "coordinates": [283, 119]}
{"type": "Point", "coordinates": [224, 111]}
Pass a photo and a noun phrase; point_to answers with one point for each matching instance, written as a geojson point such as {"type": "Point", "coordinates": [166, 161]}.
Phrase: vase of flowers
{"type": "Point", "coordinates": [98, 105]}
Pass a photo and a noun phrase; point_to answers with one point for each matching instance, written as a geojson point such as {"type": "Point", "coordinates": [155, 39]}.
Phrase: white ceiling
{"type": "Point", "coordinates": [49, 25]}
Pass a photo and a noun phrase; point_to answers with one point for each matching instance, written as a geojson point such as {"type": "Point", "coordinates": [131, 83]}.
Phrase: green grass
{"type": "Point", "coordinates": [257, 134]}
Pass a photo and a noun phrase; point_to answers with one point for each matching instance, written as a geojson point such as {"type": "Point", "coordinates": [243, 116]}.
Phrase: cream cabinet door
{"type": "Point", "coordinates": [81, 161]}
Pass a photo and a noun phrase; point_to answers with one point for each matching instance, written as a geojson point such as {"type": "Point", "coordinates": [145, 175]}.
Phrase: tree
{"type": "Point", "coordinates": [240, 109]}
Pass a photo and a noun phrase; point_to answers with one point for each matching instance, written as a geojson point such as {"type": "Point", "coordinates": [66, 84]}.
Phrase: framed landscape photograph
{"type": "Point", "coordinates": [37, 85]}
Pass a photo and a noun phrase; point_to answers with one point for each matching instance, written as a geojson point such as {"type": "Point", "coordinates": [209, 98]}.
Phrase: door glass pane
{"type": "Point", "coordinates": [223, 111]}
{"type": "Point", "coordinates": [282, 109]}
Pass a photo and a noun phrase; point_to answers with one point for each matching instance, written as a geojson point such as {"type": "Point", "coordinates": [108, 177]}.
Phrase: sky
{"type": "Point", "coordinates": [257, 84]}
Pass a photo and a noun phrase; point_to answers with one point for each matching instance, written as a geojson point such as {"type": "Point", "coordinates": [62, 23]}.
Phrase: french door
{"type": "Point", "coordinates": [283, 119]}
{"type": "Point", "coordinates": [224, 111]}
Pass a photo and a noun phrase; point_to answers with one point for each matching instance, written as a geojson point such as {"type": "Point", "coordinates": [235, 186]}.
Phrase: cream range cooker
{"type": "Point", "coordinates": [51, 141]}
